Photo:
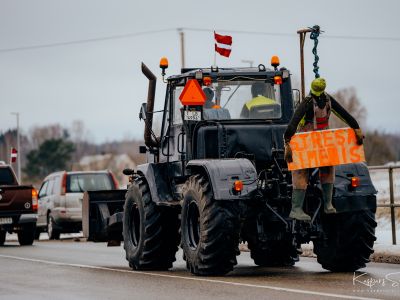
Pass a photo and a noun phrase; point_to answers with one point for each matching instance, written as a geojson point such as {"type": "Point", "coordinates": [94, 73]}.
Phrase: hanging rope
{"type": "Point", "coordinates": [314, 36]}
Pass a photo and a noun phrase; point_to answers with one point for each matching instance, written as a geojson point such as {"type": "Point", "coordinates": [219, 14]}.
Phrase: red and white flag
{"type": "Point", "coordinates": [223, 44]}
{"type": "Point", "coordinates": [14, 154]}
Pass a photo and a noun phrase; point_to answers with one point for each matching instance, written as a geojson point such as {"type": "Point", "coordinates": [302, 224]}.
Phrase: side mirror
{"type": "Point", "coordinates": [296, 97]}
{"type": "Point", "coordinates": [143, 112]}
{"type": "Point", "coordinates": [128, 172]}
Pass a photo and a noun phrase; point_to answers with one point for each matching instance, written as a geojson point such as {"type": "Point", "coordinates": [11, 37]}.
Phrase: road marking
{"type": "Point", "coordinates": [268, 287]}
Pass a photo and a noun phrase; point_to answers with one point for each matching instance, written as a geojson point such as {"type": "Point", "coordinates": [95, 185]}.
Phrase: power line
{"type": "Point", "coordinates": [350, 37]}
{"type": "Point", "coordinates": [238, 31]}
{"type": "Point", "coordinates": [129, 35]}
{"type": "Point", "coordinates": [84, 41]}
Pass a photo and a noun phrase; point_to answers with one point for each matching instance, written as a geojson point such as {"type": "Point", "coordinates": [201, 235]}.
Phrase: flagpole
{"type": "Point", "coordinates": [215, 52]}
{"type": "Point", "coordinates": [18, 148]}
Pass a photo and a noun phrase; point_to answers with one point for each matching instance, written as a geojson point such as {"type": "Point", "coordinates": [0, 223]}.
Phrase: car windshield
{"type": "Point", "coordinates": [78, 183]}
{"type": "Point", "coordinates": [246, 99]}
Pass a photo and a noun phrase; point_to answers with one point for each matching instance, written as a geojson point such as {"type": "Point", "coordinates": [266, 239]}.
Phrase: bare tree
{"type": "Point", "coordinates": [80, 136]}
{"type": "Point", "coordinates": [40, 134]}
{"type": "Point", "coordinates": [377, 149]}
{"type": "Point", "coordinates": [348, 98]}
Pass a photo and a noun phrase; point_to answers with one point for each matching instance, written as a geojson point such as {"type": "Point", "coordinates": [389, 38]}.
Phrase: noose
{"type": "Point", "coordinates": [314, 36]}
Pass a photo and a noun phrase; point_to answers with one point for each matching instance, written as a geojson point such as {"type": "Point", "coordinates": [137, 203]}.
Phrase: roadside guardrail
{"type": "Point", "coordinates": [392, 204]}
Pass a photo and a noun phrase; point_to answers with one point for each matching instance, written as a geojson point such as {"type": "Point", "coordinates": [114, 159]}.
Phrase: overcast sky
{"type": "Point", "coordinates": [101, 84]}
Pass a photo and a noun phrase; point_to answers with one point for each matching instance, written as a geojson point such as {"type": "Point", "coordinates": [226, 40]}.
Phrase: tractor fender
{"type": "Point", "coordinates": [222, 173]}
{"type": "Point", "coordinates": [346, 198]}
{"type": "Point", "coordinates": [156, 175]}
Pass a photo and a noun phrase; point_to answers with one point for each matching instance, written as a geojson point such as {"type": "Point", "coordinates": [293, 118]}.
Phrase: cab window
{"type": "Point", "coordinates": [177, 106]}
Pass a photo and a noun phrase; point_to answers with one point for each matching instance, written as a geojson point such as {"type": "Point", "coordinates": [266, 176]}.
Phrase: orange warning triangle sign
{"type": "Point", "coordinates": [192, 93]}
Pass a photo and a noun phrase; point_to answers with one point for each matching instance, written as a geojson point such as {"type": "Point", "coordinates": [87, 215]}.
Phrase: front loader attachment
{"type": "Point", "coordinates": [102, 213]}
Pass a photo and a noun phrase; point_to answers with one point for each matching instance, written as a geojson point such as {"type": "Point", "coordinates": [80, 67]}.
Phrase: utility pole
{"type": "Point", "coordinates": [248, 61]}
{"type": "Point", "coordinates": [182, 38]}
{"type": "Point", "coordinates": [18, 149]}
{"type": "Point", "coordinates": [302, 35]}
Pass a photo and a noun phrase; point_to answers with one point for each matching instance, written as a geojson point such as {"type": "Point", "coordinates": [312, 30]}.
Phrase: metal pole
{"type": "Point", "coordinates": [302, 65]}
{"type": "Point", "coordinates": [182, 39]}
{"type": "Point", "coordinates": [18, 149]}
{"type": "Point", "coordinates": [302, 35]}
{"type": "Point", "coordinates": [392, 215]}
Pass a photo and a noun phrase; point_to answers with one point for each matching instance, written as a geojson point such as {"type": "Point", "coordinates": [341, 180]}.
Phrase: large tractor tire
{"type": "Point", "coordinates": [3, 234]}
{"type": "Point", "coordinates": [272, 253]}
{"type": "Point", "coordinates": [210, 229]}
{"type": "Point", "coordinates": [349, 241]}
{"type": "Point", "coordinates": [27, 235]}
{"type": "Point", "coordinates": [151, 233]}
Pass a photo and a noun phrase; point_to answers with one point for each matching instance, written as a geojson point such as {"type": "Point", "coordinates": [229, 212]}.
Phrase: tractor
{"type": "Point", "coordinates": [216, 177]}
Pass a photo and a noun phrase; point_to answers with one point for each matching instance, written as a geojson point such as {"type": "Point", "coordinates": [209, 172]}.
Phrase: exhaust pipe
{"type": "Point", "coordinates": [149, 140]}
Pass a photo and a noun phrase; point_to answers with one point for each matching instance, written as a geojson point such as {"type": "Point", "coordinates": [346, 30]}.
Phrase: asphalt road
{"type": "Point", "coordinates": [67, 269]}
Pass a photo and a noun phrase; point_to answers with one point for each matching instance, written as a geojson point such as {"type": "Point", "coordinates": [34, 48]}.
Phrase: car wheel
{"type": "Point", "coordinates": [27, 235]}
{"type": "Point", "coordinates": [53, 233]}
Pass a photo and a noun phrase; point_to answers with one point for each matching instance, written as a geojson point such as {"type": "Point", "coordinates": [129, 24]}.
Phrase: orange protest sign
{"type": "Point", "coordinates": [192, 93]}
{"type": "Point", "coordinates": [325, 148]}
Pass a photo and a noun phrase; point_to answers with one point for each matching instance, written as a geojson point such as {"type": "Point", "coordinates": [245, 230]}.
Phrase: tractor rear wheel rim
{"type": "Point", "coordinates": [193, 221]}
{"type": "Point", "coordinates": [135, 225]}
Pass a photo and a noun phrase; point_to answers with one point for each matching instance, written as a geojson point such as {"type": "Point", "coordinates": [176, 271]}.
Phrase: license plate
{"type": "Point", "coordinates": [190, 115]}
{"type": "Point", "coordinates": [4, 221]}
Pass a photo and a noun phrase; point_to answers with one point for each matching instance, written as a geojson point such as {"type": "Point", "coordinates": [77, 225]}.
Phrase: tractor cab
{"type": "Point", "coordinates": [239, 94]}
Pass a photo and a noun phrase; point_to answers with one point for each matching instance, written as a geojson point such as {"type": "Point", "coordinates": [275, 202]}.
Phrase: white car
{"type": "Point", "coordinates": [60, 199]}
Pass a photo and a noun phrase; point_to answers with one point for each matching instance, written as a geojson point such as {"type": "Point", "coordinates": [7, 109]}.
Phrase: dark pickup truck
{"type": "Point", "coordinates": [18, 207]}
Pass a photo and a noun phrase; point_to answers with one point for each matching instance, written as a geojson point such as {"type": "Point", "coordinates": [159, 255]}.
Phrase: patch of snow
{"type": "Point", "coordinates": [383, 231]}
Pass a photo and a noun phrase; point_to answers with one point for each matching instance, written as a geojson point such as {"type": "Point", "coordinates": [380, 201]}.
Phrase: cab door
{"type": "Point", "coordinates": [174, 140]}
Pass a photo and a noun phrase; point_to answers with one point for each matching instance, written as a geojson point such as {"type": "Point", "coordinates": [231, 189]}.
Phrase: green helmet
{"type": "Point", "coordinates": [318, 86]}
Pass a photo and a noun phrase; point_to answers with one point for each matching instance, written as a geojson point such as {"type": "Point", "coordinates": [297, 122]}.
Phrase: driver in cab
{"type": "Point", "coordinates": [258, 92]}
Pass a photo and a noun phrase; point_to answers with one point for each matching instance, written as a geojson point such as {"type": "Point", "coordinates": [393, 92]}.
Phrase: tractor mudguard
{"type": "Point", "coordinates": [347, 198]}
{"type": "Point", "coordinates": [222, 173]}
{"type": "Point", "coordinates": [156, 175]}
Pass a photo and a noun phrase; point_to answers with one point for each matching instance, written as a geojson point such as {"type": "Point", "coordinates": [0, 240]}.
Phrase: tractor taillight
{"type": "Point", "coordinates": [238, 186]}
{"type": "Point", "coordinates": [207, 80]}
{"type": "Point", "coordinates": [278, 80]}
{"type": "Point", "coordinates": [35, 203]}
{"type": "Point", "coordinates": [355, 182]}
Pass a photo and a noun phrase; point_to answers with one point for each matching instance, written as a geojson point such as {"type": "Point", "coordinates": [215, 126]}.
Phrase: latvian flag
{"type": "Point", "coordinates": [223, 44]}
{"type": "Point", "coordinates": [14, 154]}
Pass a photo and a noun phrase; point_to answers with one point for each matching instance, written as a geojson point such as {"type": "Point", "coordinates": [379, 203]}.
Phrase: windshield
{"type": "Point", "coordinates": [6, 177]}
{"type": "Point", "coordinates": [78, 183]}
{"type": "Point", "coordinates": [248, 99]}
